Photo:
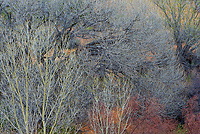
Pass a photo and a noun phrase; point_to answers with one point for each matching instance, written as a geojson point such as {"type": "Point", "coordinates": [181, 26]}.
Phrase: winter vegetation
{"type": "Point", "coordinates": [100, 66]}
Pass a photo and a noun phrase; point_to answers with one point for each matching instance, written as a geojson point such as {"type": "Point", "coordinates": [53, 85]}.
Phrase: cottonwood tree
{"type": "Point", "coordinates": [183, 17]}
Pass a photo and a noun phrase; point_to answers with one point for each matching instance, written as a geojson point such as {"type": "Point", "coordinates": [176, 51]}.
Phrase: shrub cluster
{"type": "Point", "coordinates": [65, 62]}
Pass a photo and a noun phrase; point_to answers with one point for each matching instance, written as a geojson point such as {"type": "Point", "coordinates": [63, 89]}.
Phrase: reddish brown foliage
{"type": "Point", "coordinates": [192, 116]}
{"type": "Point", "coordinates": [139, 116]}
{"type": "Point", "coordinates": [148, 118]}
{"type": "Point", "coordinates": [104, 119]}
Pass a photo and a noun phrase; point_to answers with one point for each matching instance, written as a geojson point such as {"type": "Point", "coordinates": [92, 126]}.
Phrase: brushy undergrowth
{"type": "Point", "coordinates": [84, 66]}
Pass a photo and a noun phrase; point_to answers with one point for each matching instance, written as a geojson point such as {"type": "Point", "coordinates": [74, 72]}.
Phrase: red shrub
{"type": "Point", "coordinates": [139, 116]}
{"type": "Point", "coordinates": [104, 119]}
{"type": "Point", "coordinates": [192, 116]}
{"type": "Point", "coordinates": [148, 118]}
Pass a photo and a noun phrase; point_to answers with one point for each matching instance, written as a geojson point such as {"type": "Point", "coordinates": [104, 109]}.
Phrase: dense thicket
{"type": "Point", "coordinates": [62, 59]}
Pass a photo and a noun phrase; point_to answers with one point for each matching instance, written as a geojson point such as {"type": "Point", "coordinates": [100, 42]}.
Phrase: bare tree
{"type": "Point", "coordinates": [48, 88]}
{"type": "Point", "coordinates": [182, 17]}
